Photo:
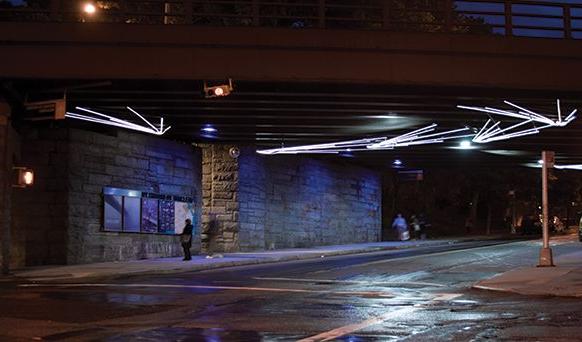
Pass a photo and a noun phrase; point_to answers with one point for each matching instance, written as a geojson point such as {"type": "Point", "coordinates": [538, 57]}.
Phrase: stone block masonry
{"type": "Point", "coordinates": [253, 201]}
{"type": "Point", "coordinates": [129, 161]}
{"type": "Point", "coordinates": [310, 202]}
{"type": "Point", "coordinates": [220, 213]}
{"type": "Point", "coordinates": [259, 202]}
{"type": "Point", "coordinates": [40, 211]}
{"type": "Point", "coordinates": [72, 167]}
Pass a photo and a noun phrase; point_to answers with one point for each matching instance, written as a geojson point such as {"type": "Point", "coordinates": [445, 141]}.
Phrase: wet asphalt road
{"type": "Point", "coordinates": [413, 295]}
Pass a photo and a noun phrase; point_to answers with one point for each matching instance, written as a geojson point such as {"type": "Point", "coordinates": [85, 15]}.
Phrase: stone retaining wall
{"type": "Point", "coordinates": [288, 201]}
{"type": "Point", "coordinates": [40, 212]}
{"type": "Point", "coordinates": [129, 161]}
{"type": "Point", "coordinates": [61, 216]}
{"type": "Point", "coordinates": [314, 202]}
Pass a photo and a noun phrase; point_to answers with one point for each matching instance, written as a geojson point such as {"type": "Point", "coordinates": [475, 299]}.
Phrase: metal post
{"type": "Point", "coordinates": [567, 22]}
{"type": "Point", "coordinates": [546, 252]}
{"type": "Point", "coordinates": [166, 11]}
{"type": "Point", "coordinates": [508, 18]}
{"type": "Point", "coordinates": [448, 15]}
{"type": "Point", "coordinates": [321, 14]}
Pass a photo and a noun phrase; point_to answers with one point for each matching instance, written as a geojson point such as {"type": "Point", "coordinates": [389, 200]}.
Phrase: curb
{"type": "Point", "coordinates": [313, 254]}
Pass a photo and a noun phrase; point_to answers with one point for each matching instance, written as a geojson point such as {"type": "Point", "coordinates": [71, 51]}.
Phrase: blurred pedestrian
{"type": "Point", "coordinates": [415, 223]}
{"type": "Point", "coordinates": [399, 224]}
{"type": "Point", "coordinates": [424, 226]}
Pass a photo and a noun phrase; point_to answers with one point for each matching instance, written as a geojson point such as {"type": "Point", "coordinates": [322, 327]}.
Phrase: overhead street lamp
{"type": "Point", "coordinates": [89, 8]}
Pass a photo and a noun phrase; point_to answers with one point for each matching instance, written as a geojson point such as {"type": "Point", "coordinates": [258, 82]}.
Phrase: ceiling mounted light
{"type": "Point", "coordinates": [492, 130]}
{"type": "Point", "coordinates": [465, 144]}
{"type": "Point", "coordinates": [97, 117]}
{"type": "Point", "coordinates": [540, 163]}
{"type": "Point", "coordinates": [417, 137]}
{"type": "Point", "coordinates": [569, 167]}
{"type": "Point", "coordinates": [218, 90]}
{"type": "Point", "coordinates": [208, 129]}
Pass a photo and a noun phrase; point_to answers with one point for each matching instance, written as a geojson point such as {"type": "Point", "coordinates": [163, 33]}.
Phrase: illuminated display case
{"type": "Point", "coordinates": [134, 211]}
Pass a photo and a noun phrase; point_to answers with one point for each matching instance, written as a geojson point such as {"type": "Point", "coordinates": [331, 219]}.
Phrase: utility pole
{"type": "Point", "coordinates": [546, 259]}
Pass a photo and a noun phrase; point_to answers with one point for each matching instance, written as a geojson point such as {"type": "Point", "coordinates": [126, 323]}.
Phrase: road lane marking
{"type": "Point", "coordinates": [442, 297]}
{"type": "Point", "coordinates": [381, 294]}
{"type": "Point", "coordinates": [348, 329]}
{"type": "Point", "coordinates": [350, 282]}
{"type": "Point", "coordinates": [470, 249]}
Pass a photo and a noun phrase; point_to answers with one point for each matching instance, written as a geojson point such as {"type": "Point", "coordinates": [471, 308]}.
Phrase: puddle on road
{"type": "Point", "coordinates": [203, 335]}
{"type": "Point", "coordinates": [112, 298]}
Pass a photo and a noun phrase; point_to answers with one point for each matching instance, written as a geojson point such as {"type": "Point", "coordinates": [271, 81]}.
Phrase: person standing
{"type": "Point", "coordinates": [186, 239]}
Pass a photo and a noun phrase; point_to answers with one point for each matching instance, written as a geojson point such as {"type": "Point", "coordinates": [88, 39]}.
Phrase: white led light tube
{"type": "Point", "coordinates": [113, 121]}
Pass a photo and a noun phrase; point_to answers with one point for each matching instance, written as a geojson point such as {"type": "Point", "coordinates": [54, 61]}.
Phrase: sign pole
{"type": "Point", "coordinates": [546, 259]}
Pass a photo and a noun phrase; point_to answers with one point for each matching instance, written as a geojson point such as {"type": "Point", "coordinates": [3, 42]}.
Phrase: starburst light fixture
{"type": "Point", "coordinates": [113, 121]}
{"type": "Point", "coordinates": [417, 137]}
{"type": "Point", "coordinates": [492, 130]}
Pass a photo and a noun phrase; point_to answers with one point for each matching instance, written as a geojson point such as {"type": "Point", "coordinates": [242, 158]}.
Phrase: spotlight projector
{"type": "Point", "coordinates": [218, 90]}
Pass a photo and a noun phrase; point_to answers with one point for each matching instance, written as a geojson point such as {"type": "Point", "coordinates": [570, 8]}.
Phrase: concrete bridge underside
{"type": "Point", "coordinates": [109, 51]}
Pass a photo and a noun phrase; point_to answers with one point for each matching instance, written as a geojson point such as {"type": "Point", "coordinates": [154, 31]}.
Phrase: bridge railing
{"type": "Point", "coordinates": [548, 19]}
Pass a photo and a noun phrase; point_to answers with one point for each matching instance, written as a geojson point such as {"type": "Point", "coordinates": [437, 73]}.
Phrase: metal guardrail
{"type": "Point", "coordinates": [500, 17]}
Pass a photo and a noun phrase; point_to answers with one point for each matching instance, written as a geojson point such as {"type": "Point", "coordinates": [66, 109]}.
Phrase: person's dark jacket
{"type": "Point", "coordinates": [187, 229]}
{"type": "Point", "coordinates": [186, 236]}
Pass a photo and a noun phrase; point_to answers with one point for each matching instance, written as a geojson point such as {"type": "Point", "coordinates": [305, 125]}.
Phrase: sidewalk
{"type": "Point", "coordinates": [200, 262]}
{"type": "Point", "coordinates": [563, 280]}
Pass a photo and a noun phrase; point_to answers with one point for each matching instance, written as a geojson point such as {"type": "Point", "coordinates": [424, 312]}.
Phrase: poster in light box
{"type": "Point", "coordinates": [182, 211]}
{"type": "Point", "coordinates": [112, 208]}
{"type": "Point", "coordinates": [131, 214]}
{"type": "Point", "coordinates": [167, 217]}
{"type": "Point", "coordinates": [149, 215]}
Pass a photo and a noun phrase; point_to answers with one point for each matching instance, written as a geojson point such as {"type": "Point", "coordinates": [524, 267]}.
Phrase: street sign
{"type": "Point", "coordinates": [411, 175]}
{"type": "Point", "coordinates": [45, 110]}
